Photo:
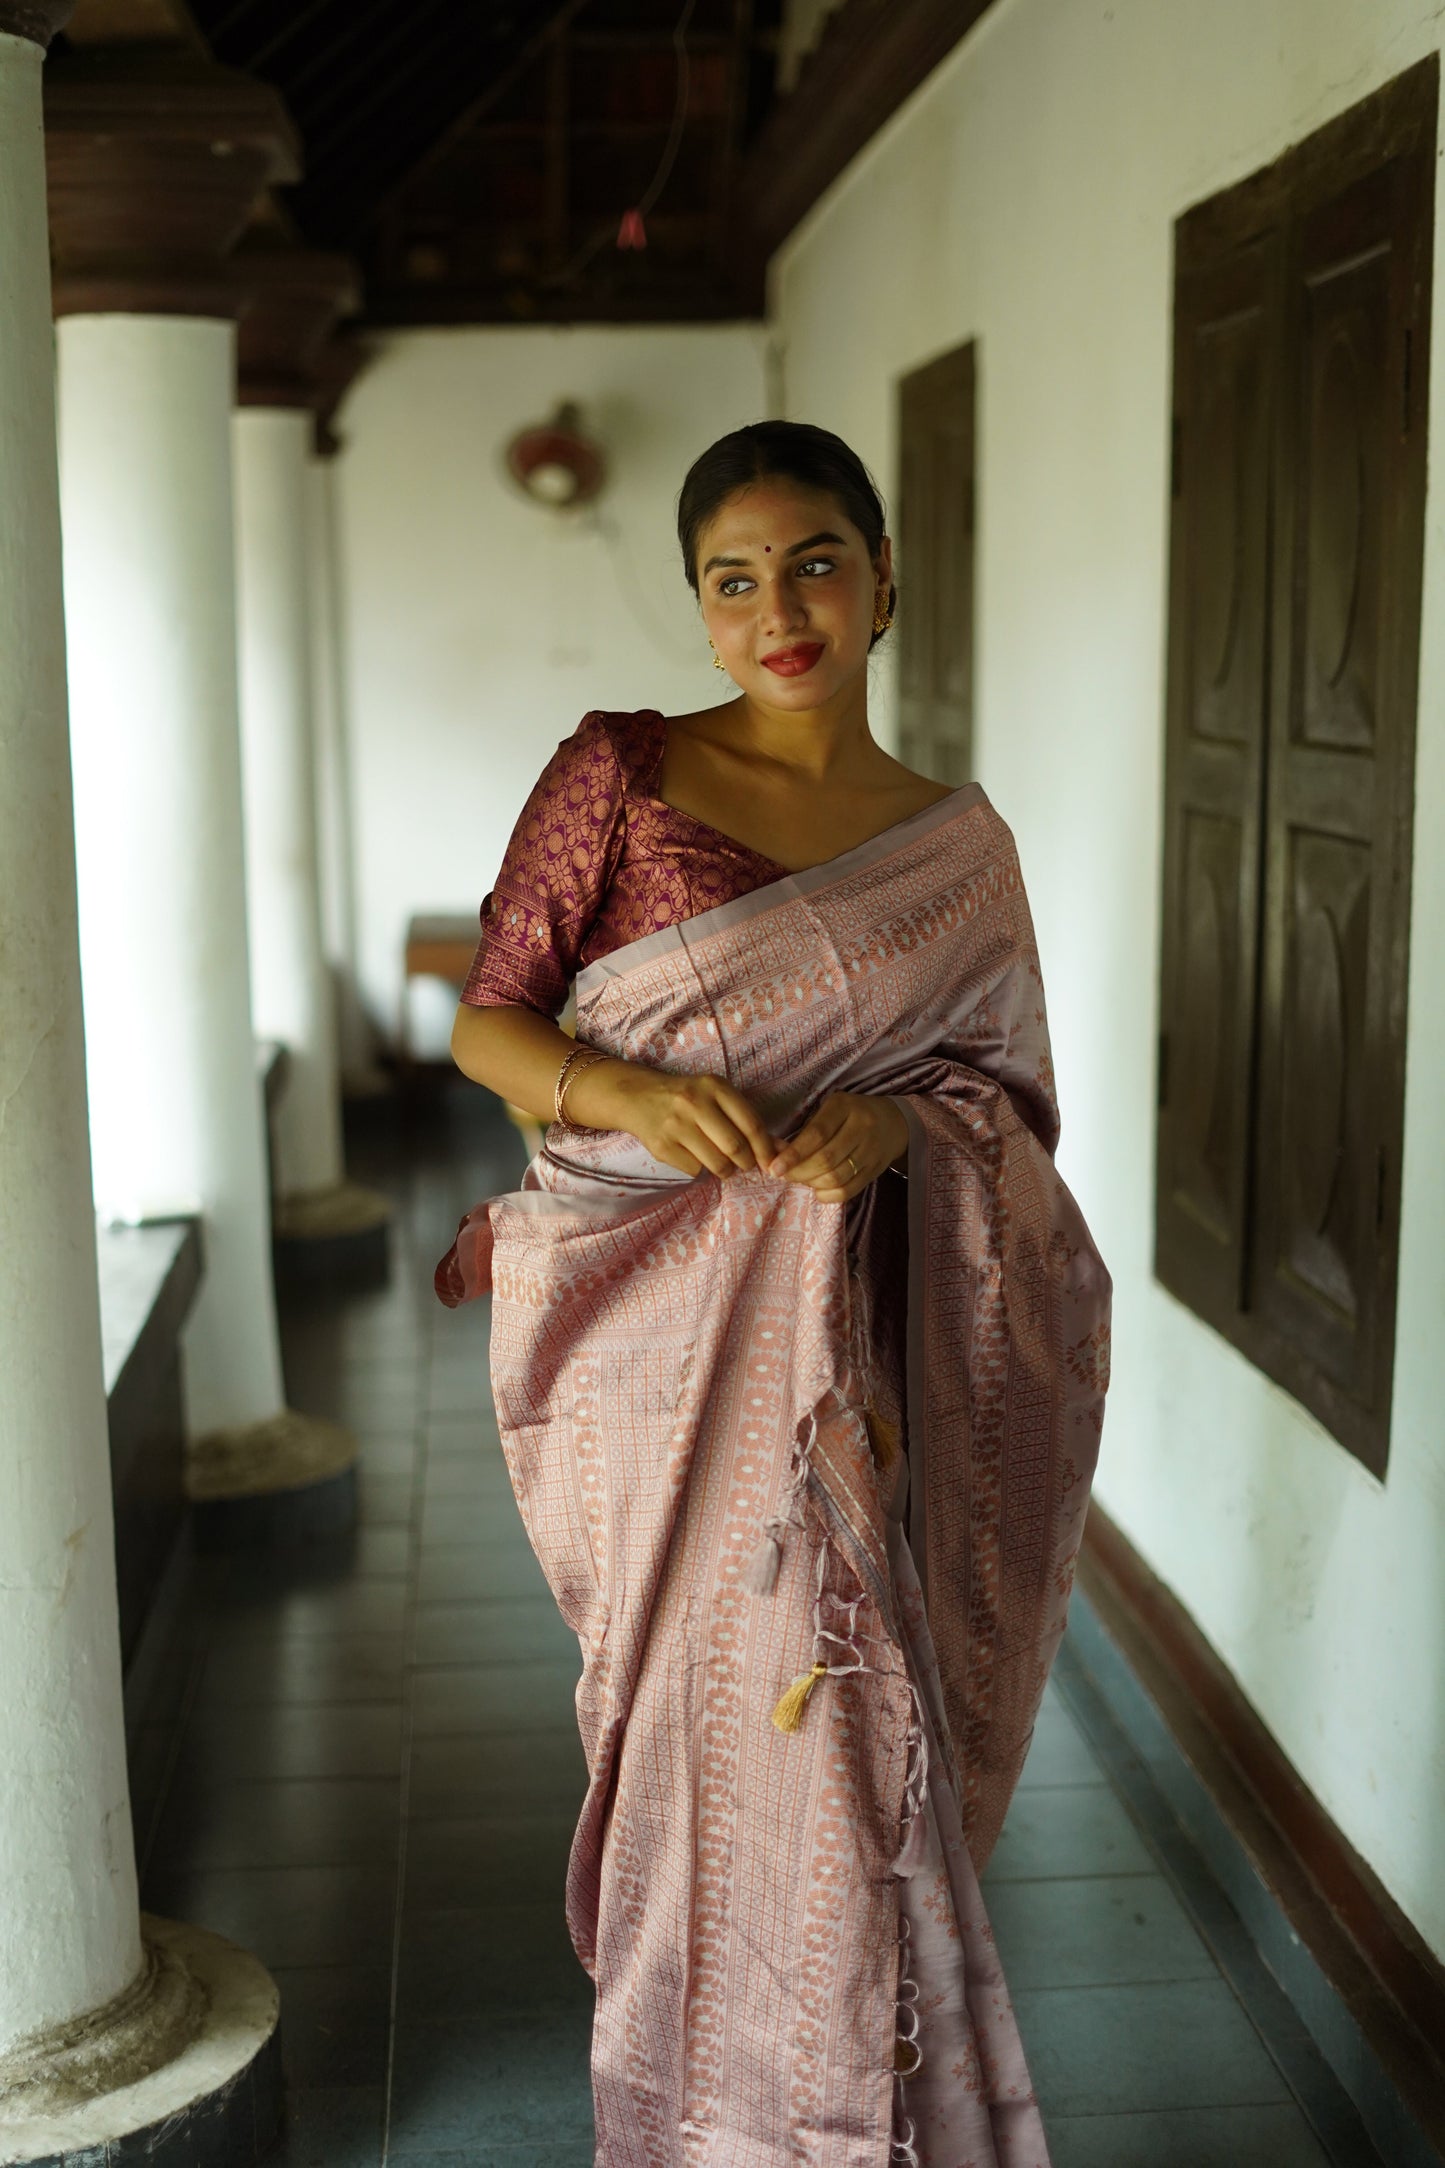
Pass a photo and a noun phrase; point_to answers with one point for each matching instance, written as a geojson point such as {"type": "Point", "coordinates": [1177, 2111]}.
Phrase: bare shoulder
{"type": "Point", "coordinates": [912, 790]}
{"type": "Point", "coordinates": [703, 722]}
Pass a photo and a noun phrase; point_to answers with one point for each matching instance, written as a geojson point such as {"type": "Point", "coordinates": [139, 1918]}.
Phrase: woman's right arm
{"type": "Point", "coordinates": [694, 1123]}
{"type": "Point", "coordinates": [548, 892]}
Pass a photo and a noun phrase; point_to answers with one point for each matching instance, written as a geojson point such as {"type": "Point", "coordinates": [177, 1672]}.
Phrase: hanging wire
{"type": "Point", "coordinates": [631, 233]}
{"type": "Point", "coordinates": [679, 111]}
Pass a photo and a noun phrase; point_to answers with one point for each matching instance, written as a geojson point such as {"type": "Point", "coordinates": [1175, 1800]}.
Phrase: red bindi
{"type": "Point", "coordinates": [768, 547]}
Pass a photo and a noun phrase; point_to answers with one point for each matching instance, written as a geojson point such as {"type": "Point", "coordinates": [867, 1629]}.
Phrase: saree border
{"type": "Point", "coordinates": [788, 888]}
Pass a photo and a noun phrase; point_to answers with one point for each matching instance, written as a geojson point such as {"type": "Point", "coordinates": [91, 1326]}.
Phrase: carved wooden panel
{"type": "Point", "coordinates": [1302, 308]}
{"type": "Point", "coordinates": [935, 547]}
{"type": "Point", "coordinates": [1336, 925]}
{"type": "Point", "coordinates": [1341, 476]}
{"type": "Point", "coordinates": [1206, 1046]}
{"type": "Point", "coordinates": [1224, 329]}
{"type": "Point", "coordinates": [1321, 1182]}
{"type": "Point", "coordinates": [1224, 511]}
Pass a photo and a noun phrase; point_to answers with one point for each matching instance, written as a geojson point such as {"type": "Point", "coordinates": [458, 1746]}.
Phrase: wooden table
{"type": "Point", "coordinates": [441, 948]}
{"type": "Point", "coordinates": [438, 946]}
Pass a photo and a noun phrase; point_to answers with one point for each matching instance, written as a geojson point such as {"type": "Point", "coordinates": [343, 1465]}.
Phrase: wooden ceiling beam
{"type": "Point", "coordinates": [492, 95]}
{"type": "Point", "coordinates": [140, 22]}
{"type": "Point", "coordinates": [236, 13]}
{"type": "Point", "coordinates": [143, 212]}
{"type": "Point", "coordinates": [558, 155]}
{"type": "Point", "coordinates": [665, 302]}
{"type": "Point", "coordinates": [649, 41]}
{"type": "Point", "coordinates": [298, 20]}
{"type": "Point", "coordinates": [294, 300]}
{"type": "Point", "coordinates": [728, 152]}
{"type": "Point", "coordinates": [368, 52]}
{"type": "Point", "coordinates": [400, 105]}
{"type": "Point", "coordinates": [353, 112]}
{"type": "Point", "coordinates": [871, 56]}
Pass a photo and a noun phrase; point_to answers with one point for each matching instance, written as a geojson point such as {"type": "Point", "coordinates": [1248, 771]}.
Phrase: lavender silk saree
{"type": "Point", "coordinates": [755, 1437]}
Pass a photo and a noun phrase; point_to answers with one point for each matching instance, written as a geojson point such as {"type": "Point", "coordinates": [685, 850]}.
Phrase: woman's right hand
{"type": "Point", "coordinates": [694, 1123]}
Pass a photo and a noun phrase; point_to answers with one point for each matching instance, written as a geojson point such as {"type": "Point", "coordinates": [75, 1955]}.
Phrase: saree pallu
{"type": "Point", "coordinates": [714, 1398]}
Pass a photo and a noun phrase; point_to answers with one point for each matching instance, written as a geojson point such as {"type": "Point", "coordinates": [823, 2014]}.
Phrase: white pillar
{"type": "Point", "coordinates": [290, 990]}
{"type": "Point", "coordinates": [356, 1042]}
{"type": "Point", "coordinates": [177, 1122]}
{"type": "Point", "coordinates": [69, 1926]}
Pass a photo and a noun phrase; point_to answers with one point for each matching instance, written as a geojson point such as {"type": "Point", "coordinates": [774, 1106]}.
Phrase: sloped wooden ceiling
{"type": "Point", "coordinates": [477, 156]}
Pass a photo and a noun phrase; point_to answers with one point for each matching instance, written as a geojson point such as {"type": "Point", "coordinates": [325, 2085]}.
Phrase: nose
{"type": "Point", "coordinates": [781, 607]}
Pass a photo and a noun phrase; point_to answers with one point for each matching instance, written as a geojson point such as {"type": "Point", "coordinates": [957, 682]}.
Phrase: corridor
{"type": "Point", "coordinates": [366, 1770]}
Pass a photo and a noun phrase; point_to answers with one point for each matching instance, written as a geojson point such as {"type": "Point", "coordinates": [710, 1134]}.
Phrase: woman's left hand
{"type": "Point", "coordinates": [845, 1146]}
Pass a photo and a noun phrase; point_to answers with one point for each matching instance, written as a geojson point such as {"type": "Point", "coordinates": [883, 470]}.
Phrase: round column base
{"type": "Point", "coordinates": [342, 1233]}
{"type": "Point", "coordinates": [286, 1481]}
{"type": "Point", "coordinates": [217, 2098]}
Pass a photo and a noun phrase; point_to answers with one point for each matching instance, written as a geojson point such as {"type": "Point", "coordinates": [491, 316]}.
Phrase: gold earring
{"type": "Point", "coordinates": [717, 661]}
{"type": "Point", "coordinates": [882, 615]}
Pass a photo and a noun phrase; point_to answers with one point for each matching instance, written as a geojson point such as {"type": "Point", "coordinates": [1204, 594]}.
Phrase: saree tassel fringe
{"type": "Point", "coordinates": [903, 2153]}
{"type": "Point", "coordinates": [788, 1715]}
{"type": "Point", "coordinates": [910, 1852]}
{"type": "Point", "coordinates": [883, 1439]}
{"type": "Point", "coordinates": [760, 1574]}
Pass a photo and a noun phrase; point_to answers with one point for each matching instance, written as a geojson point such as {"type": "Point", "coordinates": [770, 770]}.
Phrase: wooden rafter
{"type": "Point", "coordinates": [873, 54]}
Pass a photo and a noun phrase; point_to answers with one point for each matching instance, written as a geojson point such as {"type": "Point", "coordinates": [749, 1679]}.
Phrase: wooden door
{"type": "Point", "coordinates": [1301, 336]}
{"type": "Point", "coordinates": [1226, 333]}
{"type": "Point", "coordinates": [935, 566]}
{"type": "Point", "coordinates": [1350, 465]}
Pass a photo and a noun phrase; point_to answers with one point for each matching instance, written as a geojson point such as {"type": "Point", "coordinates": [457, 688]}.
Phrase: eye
{"type": "Point", "coordinates": [829, 564]}
{"type": "Point", "coordinates": [725, 587]}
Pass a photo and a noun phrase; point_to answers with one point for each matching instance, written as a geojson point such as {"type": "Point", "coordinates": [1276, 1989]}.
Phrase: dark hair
{"type": "Point", "coordinates": [784, 451]}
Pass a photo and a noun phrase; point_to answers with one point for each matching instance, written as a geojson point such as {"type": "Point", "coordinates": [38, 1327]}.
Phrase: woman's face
{"type": "Point", "coordinates": [788, 591]}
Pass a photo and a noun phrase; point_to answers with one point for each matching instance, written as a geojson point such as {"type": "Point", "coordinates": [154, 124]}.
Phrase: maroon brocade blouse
{"type": "Point", "coordinates": [597, 860]}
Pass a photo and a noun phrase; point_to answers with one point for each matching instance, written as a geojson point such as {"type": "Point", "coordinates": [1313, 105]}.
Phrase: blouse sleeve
{"type": "Point", "coordinates": [554, 875]}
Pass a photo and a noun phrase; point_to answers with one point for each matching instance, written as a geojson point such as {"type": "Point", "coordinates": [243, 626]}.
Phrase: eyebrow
{"type": "Point", "coordinates": [808, 542]}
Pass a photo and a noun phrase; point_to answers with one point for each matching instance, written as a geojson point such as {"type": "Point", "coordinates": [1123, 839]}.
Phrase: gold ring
{"type": "Point", "coordinates": [854, 1165]}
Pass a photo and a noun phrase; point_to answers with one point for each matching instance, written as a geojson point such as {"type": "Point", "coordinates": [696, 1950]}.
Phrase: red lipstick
{"type": "Point", "coordinates": [793, 661]}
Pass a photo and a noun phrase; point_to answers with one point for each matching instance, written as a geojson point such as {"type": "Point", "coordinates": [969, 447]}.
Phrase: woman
{"type": "Point", "coordinates": [799, 1347]}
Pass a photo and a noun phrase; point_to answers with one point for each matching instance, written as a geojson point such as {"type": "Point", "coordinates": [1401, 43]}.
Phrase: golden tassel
{"type": "Point", "coordinates": [883, 1438]}
{"type": "Point", "coordinates": [788, 1715]}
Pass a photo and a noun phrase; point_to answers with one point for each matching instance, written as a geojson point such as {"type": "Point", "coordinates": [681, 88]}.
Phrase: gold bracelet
{"type": "Point", "coordinates": [594, 1055]}
{"type": "Point", "coordinates": [583, 1057]}
{"type": "Point", "coordinates": [558, 1087]}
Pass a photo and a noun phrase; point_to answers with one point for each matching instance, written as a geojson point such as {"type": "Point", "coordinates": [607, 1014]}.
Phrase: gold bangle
{"type": "Point", "coordinates": [584, 1057]}
{"type": "Point", "coordinates": [559, 1086]}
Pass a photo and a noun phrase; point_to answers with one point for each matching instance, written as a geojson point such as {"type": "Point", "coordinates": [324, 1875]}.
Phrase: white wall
{"type": "Point", "coordinates": [1025, 197]}
{"type": "Point", "coordinates": [480, 627]}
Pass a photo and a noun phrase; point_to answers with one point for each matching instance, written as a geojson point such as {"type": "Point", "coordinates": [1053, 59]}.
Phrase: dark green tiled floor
{"type": "Point", "coordinates": [366, 1769]}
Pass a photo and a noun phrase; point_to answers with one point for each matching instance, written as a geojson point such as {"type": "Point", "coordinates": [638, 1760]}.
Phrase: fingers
{"type": "Point", "coordinates": [835, 1167]}
{"type": "Point", "coordinates": [721, 1148]}
{"type": "Point", "coordinates": [813, 1139]}
{"type": "Point", "coordinates": [760, 1146]}
{"type": "Point", "coordinates": [715, 1124]}
{"type": "Point", "coordinates": [716, 1128]}
{"type": "Point", "coordinates": [822, 1145]}
{"type": "Point", "coordinates": [710, 1127]}
{"type": "Point", "coordinates": [839, 1152]}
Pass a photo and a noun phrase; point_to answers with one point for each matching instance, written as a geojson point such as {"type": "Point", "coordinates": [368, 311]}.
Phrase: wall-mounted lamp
{"type": "Point", "coordinates": [554, 462]}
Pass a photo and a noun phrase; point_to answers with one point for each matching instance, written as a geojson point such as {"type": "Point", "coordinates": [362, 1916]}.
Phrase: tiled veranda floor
{"type": "Point", "coordinates": [367, 1771]}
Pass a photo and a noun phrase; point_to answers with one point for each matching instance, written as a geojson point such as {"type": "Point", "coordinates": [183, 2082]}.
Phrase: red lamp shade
{"type": "Point", "coordinates": [554, 462]}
